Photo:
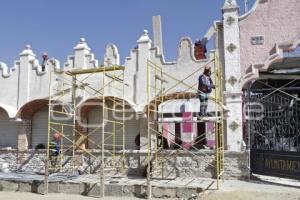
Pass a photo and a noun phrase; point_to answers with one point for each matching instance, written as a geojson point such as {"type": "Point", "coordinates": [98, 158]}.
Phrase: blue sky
{"type": "Point", "coordinates": [55, 26]}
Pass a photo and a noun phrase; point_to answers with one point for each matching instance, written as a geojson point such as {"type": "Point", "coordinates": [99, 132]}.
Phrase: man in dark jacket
{"type": "Point", "coordinates": [205, 86]}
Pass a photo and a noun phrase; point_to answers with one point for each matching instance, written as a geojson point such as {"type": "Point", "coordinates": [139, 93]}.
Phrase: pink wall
{"type": "Point", "coordinates": [277, 20]}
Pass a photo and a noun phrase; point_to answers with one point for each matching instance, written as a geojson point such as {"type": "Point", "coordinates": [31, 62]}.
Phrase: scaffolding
{"type": "Point", "coordinates": [162, 88]}
{"type": "Point", "coordinates": [68, 135]}
{"type": "Point", "coordinates": [67, 97]}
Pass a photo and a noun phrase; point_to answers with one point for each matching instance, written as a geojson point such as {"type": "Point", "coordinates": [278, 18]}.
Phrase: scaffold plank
{"type": "Point", "coordinates": [94, 70]}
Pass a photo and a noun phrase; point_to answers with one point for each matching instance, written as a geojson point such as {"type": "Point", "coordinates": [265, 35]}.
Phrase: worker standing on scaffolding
{"type": "Point", "coordinates": [205, 86]}
{"type": "Point", "coordinates": [54, 148]}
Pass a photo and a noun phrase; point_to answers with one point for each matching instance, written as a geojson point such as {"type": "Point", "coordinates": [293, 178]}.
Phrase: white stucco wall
{"type": "Point", "coordinates": [24, 81]}
{"type": "Point", "coordinates": [8, 80]}
{"type": "Point", "coordinates": [27, 82]}
{"type": "Point", "coordinates": [31, 83]}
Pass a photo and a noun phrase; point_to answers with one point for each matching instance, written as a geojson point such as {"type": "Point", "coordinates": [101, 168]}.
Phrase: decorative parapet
{"type": "Point", "coordinates": [6, 71]}
{"type": "Point", "coordinates": [28, 53]}
{"type": "Point", "coordinates": [186, 51]}
{"type": "Point", "coordinates": [251, 74]}
{"type": "Point", "coordinates": [32, 62]}
{"type": "Point", "coordinates": [144, 38]}
{"type": "Point", "coordinates": [36, 66]}
{"type": "Point", "coordinates": [55, 64]}
{"type": "Point", "coordinates": [111, 56]}
{"type": "Point", "coordinates": [82, 45]}
{"type": "Point", "coordinates": [82, 58]}
{"type": "Point", "coordinates": [275, 55]}
{"type": "Point", "coordinates": [35, 62]}
{"type": "Point", "coordinates": [230, 5]}
{"type": "Point", "coordinates": [70, 61]}
{"type": "Point", "coordinates": [91, 61]}
{"type": "Point", "coordinates": [290, 46]}
{"type": "Point", "coordinates": [132, 53]}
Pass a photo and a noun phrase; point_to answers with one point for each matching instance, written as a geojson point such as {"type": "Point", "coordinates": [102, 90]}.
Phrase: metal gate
{"type": "Point", "coordinates": [273, 123]}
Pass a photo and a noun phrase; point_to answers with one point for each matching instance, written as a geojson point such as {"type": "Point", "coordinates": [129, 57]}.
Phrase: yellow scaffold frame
{"type": "Point", "coordinates": [157, 93]}
{"type": "Point", "coordinates": [63, 88]}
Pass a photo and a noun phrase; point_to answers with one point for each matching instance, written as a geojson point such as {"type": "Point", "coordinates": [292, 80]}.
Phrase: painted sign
{"type": "Point", "coordinates": [276, 163]}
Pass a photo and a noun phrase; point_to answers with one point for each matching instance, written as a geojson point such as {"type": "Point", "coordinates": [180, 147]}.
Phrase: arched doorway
{"type": "Point", "coordinates": [40, 127]}
{"type": "Point", "coordinates": [92, 112]}
{"type": "Point", "coordinates": [64, 125]}
{"type": "Point", "coordinates": [9, 130]}
{"type": "Point", "coordinates": [36, 111]}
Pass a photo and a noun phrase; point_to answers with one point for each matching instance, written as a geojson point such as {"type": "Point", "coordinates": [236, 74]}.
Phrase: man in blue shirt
{"type": "Point", "coordinates": [54, 148]}
{"type": "Point", "coordinates": [205, 86]}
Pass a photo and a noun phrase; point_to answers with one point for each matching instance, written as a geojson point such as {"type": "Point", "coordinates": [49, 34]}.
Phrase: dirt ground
{"type": "Point", "coordinates": [218, 195]}
{"type": "Point", "coordinates": [230, 190]}
{"type": "Point", "coordinates": [32, 196]}
{"type": "Point", "coordinates": [242, 190]}
{"type": "Point", "coordinates": [243, 195]}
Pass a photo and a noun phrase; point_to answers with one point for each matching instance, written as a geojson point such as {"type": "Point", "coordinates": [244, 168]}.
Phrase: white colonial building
{"type": "Point", "coordinates": [245, 44]}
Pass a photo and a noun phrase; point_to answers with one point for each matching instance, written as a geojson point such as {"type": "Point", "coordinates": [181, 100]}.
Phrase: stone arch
{"type": "Point", "coordinates": [34, 117]}
{"type": "Point", "coordinates": [30, 108]}
{"type": "Point", "coordinates": [111, 56]}
{"type": "Point", "coordinates": [83, 108]}
{"type": "Point", "coordinates": [34, 122]}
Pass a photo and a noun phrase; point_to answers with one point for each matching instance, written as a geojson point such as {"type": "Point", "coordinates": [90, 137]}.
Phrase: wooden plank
{"type": "Point", "coordinates": [94, 70]}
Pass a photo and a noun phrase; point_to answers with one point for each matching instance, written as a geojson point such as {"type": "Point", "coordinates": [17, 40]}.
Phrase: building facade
{"type": "Point", "coordinates": [246, 44]}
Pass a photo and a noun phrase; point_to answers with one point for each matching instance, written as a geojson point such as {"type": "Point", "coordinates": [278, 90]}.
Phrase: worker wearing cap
{"type": "Point", "coordinates": [54, 148]}
{"type": "Point", "coordinates": [45, 59]}
{"type": "Point", "coordinates": [205, 86]}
